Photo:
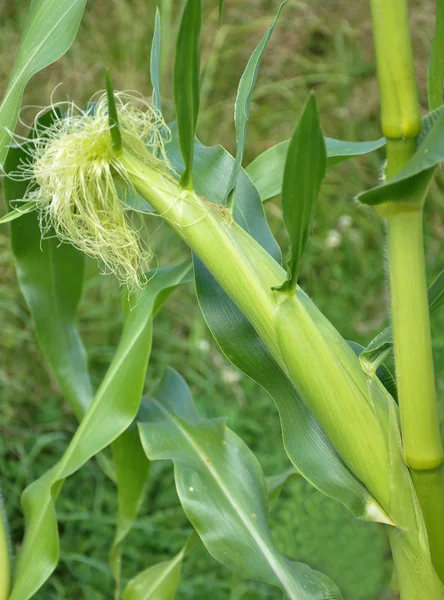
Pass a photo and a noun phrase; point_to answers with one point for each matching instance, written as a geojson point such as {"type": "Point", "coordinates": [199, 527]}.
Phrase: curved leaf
{"type": "Point", "coordinates": [267, 170]}
{"type": "Point", "coordinates": [160, 581]}
{"type": "Point", "coordinates": [49, 31]}
{"type": "Point", "coordinates": [243, 99]}
{"type": "Point", "coordinates": [110, 414]}
{"type": "Point", "coordinates": [221, 488]}
{"type": "Point", "coordinates": [186, 84]}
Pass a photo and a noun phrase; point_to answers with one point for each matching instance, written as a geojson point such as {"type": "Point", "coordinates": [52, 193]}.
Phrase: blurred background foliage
{"type": "Point", "coordinates": [318, 44]}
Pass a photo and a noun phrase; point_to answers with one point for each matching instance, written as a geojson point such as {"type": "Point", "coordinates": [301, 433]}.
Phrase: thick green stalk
{"type": "Point", "coordinates": [422, 446]}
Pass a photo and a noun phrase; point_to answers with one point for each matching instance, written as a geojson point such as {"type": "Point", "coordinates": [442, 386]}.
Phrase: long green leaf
{"type": "Point", "coordinates": [222, 491]}
{"type": "Point", "coordinates": [415, 177]}
{"type": "Point", "coordinates": [303, 174]}
{"type": "Point", "coordinates": [307, 446]}
{"type": "Point", "coordinates": [435, 72]}
{"type": "Point", "coordinates": [160, 582]}
{"type": "Point", "coordinates": [155, 62]}
{"type": "Point", "coordinates": [267, 170]}
{"type": "Point", "coordinates": [49, 31]}
{"type": "Point", "coordinates": [130, 463]}
{"type": "Point", "coordinates": [186, 84]}
{"type": "Point", "coordinates": [50, 276]}
{"type": "Point", "coordinates": [110, 414]}
{"type": "Point", "coordinates": [243, 98]}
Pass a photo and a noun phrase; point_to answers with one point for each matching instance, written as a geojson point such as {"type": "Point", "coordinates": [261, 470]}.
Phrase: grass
{"type": "Point", "coordinates": [325, 45]}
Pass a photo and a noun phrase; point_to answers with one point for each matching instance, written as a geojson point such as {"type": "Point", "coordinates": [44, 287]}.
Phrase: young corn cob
{"type": "Point", "coordinates": [82, 175]}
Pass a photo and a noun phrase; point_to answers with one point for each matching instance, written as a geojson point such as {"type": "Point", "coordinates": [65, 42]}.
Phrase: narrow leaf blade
{"type": "Point", "coordinates": [244, 96]}
{"type": "Point", "coordinates": [49, 31]}
{"type": "Point", "coordinates": [186, 84]}
{"type": "Point", "coordinates": [155, 61]}
{"type": "Point", "coordinates": [303, 174]}
{"type": "Point", "coordinates": [113, 118]}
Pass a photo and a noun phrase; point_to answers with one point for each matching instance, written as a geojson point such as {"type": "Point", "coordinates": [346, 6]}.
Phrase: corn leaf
{"type": "Point", "coordinates": [110, 414]}
{"type": "Point", "coordinates": [186, 84]}
{"type": "Point", "coordinates": [307, 446]}
{"type": "Point", "coordinates": [413, 180]}
{"type": "Point", "coordinates": [130, 463]}
{"type": "Point", "coordinates": [155, 62]}
{"type": "Point", "coordinates": [50, 277]}
{"type": "Point", "coordinates": [267, 170]}
{"type": "Point", "coordinates": [222, 491]}
{"type": "Point", "coordinates": [49, 31]}
{"type": "Point", "coordinates": [435, 72]}
{"type": "Point", "coordinates": [303, 174]}
{"type": "Point", "coordinates": [243, 98]}
{"type": "Point", "coordinates": [160, 582]}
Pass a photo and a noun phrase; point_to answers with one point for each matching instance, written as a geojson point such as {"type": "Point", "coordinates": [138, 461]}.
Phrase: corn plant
{"type": "Point", "coordinates": [81, 184]}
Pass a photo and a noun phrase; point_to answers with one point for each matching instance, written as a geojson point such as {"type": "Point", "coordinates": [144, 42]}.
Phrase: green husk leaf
{"type": "Point", "coordinates": [160, 581]}
{"type": "Point", "coordinates": [435, 72]}
{"type": "Point", "coordinates": [303, 174]}
{"type": "Point", "coordinates": [113, 409]}
{"type": "Point", "coordinates": [186, 85]}
{"type": "Point", "coordinates": [307, 446]}
{"type": "Point", "coordinates": [267, 170]}
{"type": "Point", "coordinates": [113, 117]}
{"type": "Point", "coordinates": [49, 30]}
{"type": "Point", "coordinates": [155, 62]}
{"type": "Point", "coordinates": [244, 96]}
{"type": "Point", "coordinates": [222, 491]}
